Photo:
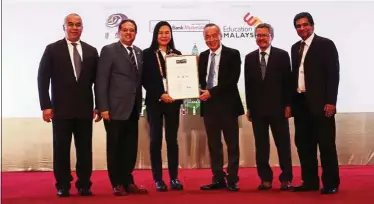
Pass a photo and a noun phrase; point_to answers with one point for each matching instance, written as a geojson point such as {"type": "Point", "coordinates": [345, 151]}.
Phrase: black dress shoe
{"type": "Point", "coordinates": [63, 193]}
{"type": "Point", "coordinates": [329, 190]}
{"type": "Point", "coordinates": [304, 188]}
{"type": "Point", "coordinates": [84, 192]}
{"type": "Point", "coordinates": [161, 186]}
{"type": "Point", "coordinates": [214, 186]}
{"type": "Point", "coordinates": [175, 184]}
{"type": "Point", "coordinates": [232, 187]}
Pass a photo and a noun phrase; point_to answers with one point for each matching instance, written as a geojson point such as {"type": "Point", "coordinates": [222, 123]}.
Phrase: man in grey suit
{"type": "Point", "coordinates": [119, 95]}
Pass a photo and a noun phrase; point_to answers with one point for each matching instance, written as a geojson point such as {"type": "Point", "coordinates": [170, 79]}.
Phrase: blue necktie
{"type": "Point", "coordinates": [212, 72]}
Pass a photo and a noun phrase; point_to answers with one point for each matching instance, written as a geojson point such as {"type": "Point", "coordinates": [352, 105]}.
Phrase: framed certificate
{"type": "Point", "coordinates": [182, 76]}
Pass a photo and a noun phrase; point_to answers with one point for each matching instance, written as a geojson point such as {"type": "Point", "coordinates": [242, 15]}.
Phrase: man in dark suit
{"type": "Point", "coordinates": [267, 73]}
{"type": "Point", "coordinates": [119, 94]}
{"type": "Point", "coordinates": [315, 68]}
{"type": "Point", "coordinates": [219, 71]}
{"type": "Point", "coordinates": [69, 65]}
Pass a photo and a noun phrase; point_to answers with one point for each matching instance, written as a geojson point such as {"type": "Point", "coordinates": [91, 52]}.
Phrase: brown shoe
{"type": "Point", "coordinates": [119, 190]}
{"type": "Point", "coordinates": [265, 185]}
{"type": "Point", "coordinates": [133, 189]}
{"type": "Point", "coordinates": [285, 186]}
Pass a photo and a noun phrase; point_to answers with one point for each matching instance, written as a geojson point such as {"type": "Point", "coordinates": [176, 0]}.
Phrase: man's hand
{"type": "Point", "coordinates": [205, 96]}
{"type": "Point", "coordinates": [47, 115]}
{"type": "Point", "coordinates": [105, 115]}
{"type": "Point", "coordinates": [248, 114]}
{"type": "Point", "coordinates": [96, 115]}
{"type": "Point", "coordinates": [166, 98]}
{"type": "Point", "coordinates": [287, 112]}
{"type": "Point", "coordinates": [330, 110]}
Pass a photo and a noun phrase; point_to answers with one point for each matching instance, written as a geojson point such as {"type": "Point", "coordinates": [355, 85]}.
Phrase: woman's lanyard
{"type": "Point", "coordinates": [161, 72]}
{"type": "Point", "coordinates": [159, 64]}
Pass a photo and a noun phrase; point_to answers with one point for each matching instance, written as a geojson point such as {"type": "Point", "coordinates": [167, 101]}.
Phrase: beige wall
{"type": "Point", "coordinates": [27, 143]}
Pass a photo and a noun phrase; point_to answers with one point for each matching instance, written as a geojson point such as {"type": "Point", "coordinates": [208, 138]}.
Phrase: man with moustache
{"type": "Point", "coordinates": [119, 95]}
{"type": "Point", "coordinates": [219, 71]}
{"type": "Point", "coordinates": [69, 66]}
{"type": "Point", "coordinates": [315, 67]}
{"type": "Point", "coordinates": [268, 96]}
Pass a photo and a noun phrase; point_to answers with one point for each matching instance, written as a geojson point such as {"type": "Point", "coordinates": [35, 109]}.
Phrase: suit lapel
{"type": "Point", "coordinates": [310, 49]}
{"type": "Point", "coordinates": [137, 52]}
{"type": "Point", "coordinates": [66, 57]}
{"type": "Point", "coordinates": [205, 59]}
{"type": "Point", "coordinates": [84, 57]}
{"type": "Point", "coordinates": [124, 51]}
{"type": "Point", "coordinates": [258, 65]}
{"type": "Point", "coordinates": [269, 64]}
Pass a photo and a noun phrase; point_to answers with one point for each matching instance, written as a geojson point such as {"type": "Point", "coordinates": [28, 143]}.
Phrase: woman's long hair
{"type": "Point", "coordinates": [154, 45]}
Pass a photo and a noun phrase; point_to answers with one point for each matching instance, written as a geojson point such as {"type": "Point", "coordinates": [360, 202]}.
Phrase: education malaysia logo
{"type": "Point", "coordinates": [246, 31]}
{"type": "Point", "coordinates": [112, 23]}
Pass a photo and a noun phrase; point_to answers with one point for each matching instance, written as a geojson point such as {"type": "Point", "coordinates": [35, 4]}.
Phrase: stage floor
{"type": "Point", "coordinates": [357, 187]}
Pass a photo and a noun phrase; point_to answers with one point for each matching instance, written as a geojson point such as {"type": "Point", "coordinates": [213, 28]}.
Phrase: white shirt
{"type": "Point", "coordinates": [267, 51]}
{"type": "Point", "coordinates": [301, 79]}
{"type": "Point", "coordinates": [71, 52]}
{"type": "Point", "coordinates": [217, 58]}
{"type": "Point", "coordinates": [134, 52]}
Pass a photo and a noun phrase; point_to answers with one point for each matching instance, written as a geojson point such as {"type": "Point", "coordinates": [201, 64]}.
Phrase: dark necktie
{"type": "Point", "coordinates": [301, 51]}
{"type": "Point", "coordinates": [212, 72]}
{"type": "Point", "coordinates": [77, 60]}
{"type": "Point", "coordinates": [263, 65]}
{"type": "Point", "coordinates": [132, 57]}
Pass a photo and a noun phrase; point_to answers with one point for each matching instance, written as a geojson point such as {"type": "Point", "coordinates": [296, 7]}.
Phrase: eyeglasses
{"type": "Point", "coordinates": [262, 35]}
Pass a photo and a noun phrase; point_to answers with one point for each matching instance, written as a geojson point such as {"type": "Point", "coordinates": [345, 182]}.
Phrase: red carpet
{"type": "Point", "coordinates": [357, 187]}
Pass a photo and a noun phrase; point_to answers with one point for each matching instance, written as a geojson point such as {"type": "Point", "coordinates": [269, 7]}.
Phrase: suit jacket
{"type": "Point", "coordinates": [152, 79]}
{"type": "Point", "coordinates": [270, 96]}
{"type": "Point", "coordinates": [321, 73]}
{"type": "Point", "coordinates": [71, 98]}
{"type": "Point", "coordinates": [225, 96]}
{"type": "Point", "coordinates": [118, 83]}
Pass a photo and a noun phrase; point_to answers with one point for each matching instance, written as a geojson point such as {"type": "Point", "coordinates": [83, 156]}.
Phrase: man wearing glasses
{"type": "Point", "coordinates": [69, 65]}
{"type": "Point", "coordinates": [268, 97]}
{"type": "Point", "coordinates": [219, 71]}
{"type": "Point", "coordinates": [119, 95]}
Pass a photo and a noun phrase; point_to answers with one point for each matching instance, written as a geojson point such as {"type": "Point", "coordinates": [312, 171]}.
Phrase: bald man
{"type": "Point", "coordinates": [69, 66]}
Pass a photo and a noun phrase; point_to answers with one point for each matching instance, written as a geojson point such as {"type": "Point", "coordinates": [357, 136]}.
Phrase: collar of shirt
{"type": "Point", "coordinates": [69, 42]}
{"type": "Point", "coordinates": [267, 51]}
{"type": "Point", "coordinates": [126, 46]}
{"type": "Point", "coordinates": [309, 40]}
{"type": "Point", "coordinates": [217, 52]}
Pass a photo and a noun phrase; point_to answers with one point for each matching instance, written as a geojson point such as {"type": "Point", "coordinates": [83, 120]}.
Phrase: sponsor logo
{"type": "Point", "coordinates": [115, 19]}
{"type": "Point", "coordinates": [112, 23]}
{"type": "Point", "coordinates": [240, 32]}
{"type": "Point", "coordinates": [182, 25]}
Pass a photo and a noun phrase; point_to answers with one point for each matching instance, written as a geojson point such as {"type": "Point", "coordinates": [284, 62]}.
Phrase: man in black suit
{"type": "Point", "coordinates": [69, 65]}
{"type": "Point", "coordinates": [268, 95]}
{"type": "Point", "coordinates": [315, 68]}
{"type": "Point", "coordinates": [219, 71]}
{"type": "Point", "coordinates": [119, 96]}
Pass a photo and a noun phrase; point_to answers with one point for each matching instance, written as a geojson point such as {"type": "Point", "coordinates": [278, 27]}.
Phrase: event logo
{"type": "Point", "coordinates": [112, 23]}
{"type": "Point", "coordinates": [252, 21]}
{"type": "Point", "coordinates": [182, 25]}
{"type": "Point", "coordinates": [240, 32]}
